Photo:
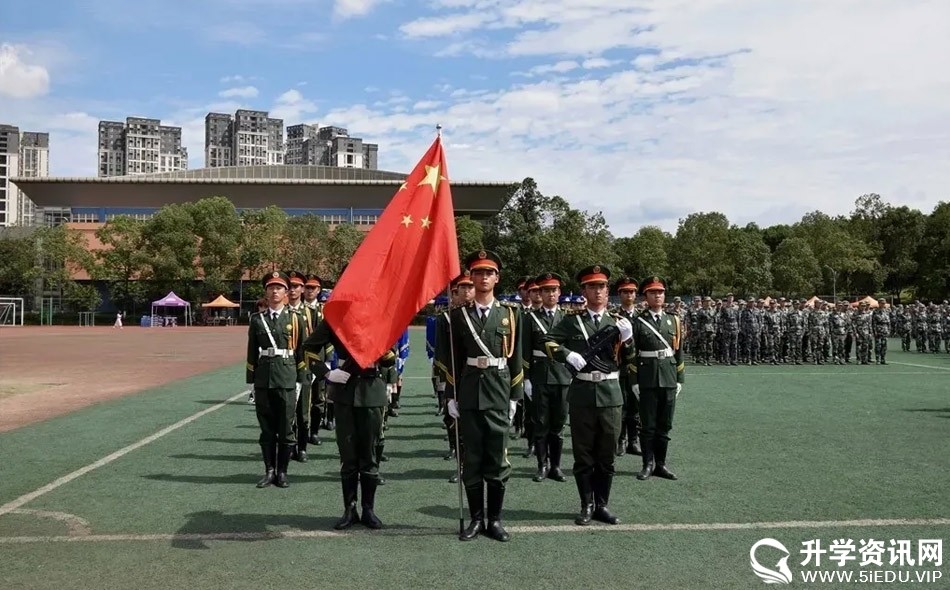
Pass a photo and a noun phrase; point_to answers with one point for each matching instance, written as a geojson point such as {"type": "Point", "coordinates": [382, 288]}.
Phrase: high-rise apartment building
{"type": "Point", "coordinates": [140, 146]}
{"type": "Point", "coordinates": [25, 155]}
{"type": "Point", "coordinates": [249, 138]}
{"type": "Point", "coordinates": [329, 146]}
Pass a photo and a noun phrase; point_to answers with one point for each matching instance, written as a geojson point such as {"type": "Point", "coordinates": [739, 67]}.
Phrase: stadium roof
{"type": "Point", "coordinates": [249, 187]}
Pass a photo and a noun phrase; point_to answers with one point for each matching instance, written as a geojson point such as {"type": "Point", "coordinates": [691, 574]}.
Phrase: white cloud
{"type": "Point", "coordinates": [292, 106]}
{"type": "Point", "coordinates": [19, 79]}
{"type": "Point", "coordinates": [235, 79]}
{"type": "Point", "coordinates": [353, 8]}
{"type": "Point", "coordinates": [442, 26]}
{"type": "Point", "coordinates": [240, 91]}
{"type": "Point", "coordinates": [596, 63]}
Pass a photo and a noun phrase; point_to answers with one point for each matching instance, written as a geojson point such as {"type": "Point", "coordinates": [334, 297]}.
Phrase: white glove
{"type": "Point", "coordinates": [527, 388]}
{"type": "Point", "coordinates": [512, 408]}
{"type": "Point", "coordinates": [329, 366]}
{"type": "Point", "coordinates": [390, 390]}
{"type": "Point", "coordinates": [679, 388]}
{"type": "Point", "coordinates": [636, 390]}
{"type": "Point", "coordinates": [626, 329]}
{"type": "Point", "coordinates": [453, 408]}
{"type": "Point", "coordinates": [298, 387]}
{"type": "Point", "coordinates": [576, 360]}
{"type": "Point", "coordinates": [338, 376]}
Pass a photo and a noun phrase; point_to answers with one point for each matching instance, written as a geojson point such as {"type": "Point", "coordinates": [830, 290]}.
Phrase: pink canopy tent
{"type": "Point", "coordinates": [175, 303]}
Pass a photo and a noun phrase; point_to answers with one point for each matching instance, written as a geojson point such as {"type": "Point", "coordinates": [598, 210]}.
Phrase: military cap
{"type": "Point", "coordinates": [653, 283]}
{"type": "Point", "coordinates": [548, 279]}
{"type": "Point", "coordinates": [579, 299]}
{"type": "Point", "coordinates": [531, 285]}
{"type": "Point", "coordinates": [275, 278]}
{"type": "Point", "coordinates": [564, 299]}
{"type": "Point", "coordinates": [523, 282]}
{"type": "Point", "coordinates": [323, 296]}
{"type": "Point", "coordinates": [483, 259]}
{"type": "Point", "coordinates": [295, 277]}
{"type": "Point", "coordinates": [593, 274]}
{"type": "Point", "coordinates": [729, 295]}
{"type": "Point", "coordinates": [707, 298]}
{"type": "Point", "coordinates": [625, 283]}
{"type": "Point", "coordinates": [742, 301]}
{"type": "Point", "coordinates": [677, 299]}
{"type": "Point", "coordinates": [313, 281]}
{"type": "Point", "coordinates": [465, 278]}
{"type": "Point", "coordinates": [441, 300]}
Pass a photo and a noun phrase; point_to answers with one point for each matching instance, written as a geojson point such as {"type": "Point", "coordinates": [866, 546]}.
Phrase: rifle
{"type": "Point", "coordinates": [599, 341]}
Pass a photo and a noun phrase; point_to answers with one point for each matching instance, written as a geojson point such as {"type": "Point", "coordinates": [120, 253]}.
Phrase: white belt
{"type": "Point", "coordinates": [483, 362]}
{"type": "Point", "coordinates": [655, 354]}
{"type": "Point", "coordinates": [539, 354]}
{"type": "Point", "coordinates": [281, 352]}
{"type": "Point", "coordinates": [597, 376]}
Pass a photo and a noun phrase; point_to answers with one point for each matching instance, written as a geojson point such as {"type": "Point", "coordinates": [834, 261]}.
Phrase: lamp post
{"type": "Point", "coordinates": [834, 283]}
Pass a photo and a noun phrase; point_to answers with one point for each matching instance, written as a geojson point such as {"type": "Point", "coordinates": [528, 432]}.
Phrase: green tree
{"type": "Point", "coordinates": [900, 231]}
{"type": "Point", "coordinates": [934, 254]}
{"type": "Point", "coordinates": [122, 261]}
{"type": "Point", "coordinates": [171, 246]}
{"type": "Point", "coordinates": [751, 260]}
{"type": "Point", "coordinates": [795, 269]}
{"type": "Point", "coordinates": [471, 234]}
{"type": "Point", "coordinates": [19, 270]}
{"type": "Point", "coordinates": [261, 240]}
{"type": "Point", "coordinates": [217, 226]}
{"type": "Point", "coordinates": [305, 243]}
{"type": "Point", "coordinates": [646, 253]}
{"type": "Point", "coordinates": [836, 247]}
{"type": "Point", "coordinates": [699, 258]}
{"type": "Point", "coordinates": [81, 297]}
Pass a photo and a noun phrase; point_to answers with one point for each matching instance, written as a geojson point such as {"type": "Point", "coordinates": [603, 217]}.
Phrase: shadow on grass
{"type": "Point", "coordinates": [256, 457]}
{"type": "Point", "coordinates": [508, 516]}
{"type": "Point", "coordinates": [214, 402]}
{"type": "Point", "coordinates": [418, 454]}
{"type": "Point", "coordinates": [236, 441]}
{"type": "Point", "coordinates": [391, 436]}
{"type": "Point", "coordinates": [942, 412]}
{"type": "Point", "coordinates": [257, 526]}
{"type": "Point", "coordinates": [249, 479]}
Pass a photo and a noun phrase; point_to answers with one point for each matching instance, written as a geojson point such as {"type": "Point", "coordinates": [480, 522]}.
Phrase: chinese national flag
{"type": "Point", "coordinates": [409, 256]}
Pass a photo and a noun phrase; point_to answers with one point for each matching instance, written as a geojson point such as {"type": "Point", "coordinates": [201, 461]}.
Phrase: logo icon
{"type": "Point", "coordinates": [780, 575]}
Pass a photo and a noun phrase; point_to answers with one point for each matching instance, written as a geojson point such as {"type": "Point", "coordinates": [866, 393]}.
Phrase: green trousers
{"type": "Point", "coordinates": [485, 433]}
{"type": "Point", "coordinates": [656, 412]}
{"type": "Point", "coordinates": [594, 433]}
{"type": "Point", "coordinates": [275, 414]}
{"type": "Point", "coordinates": [550, 410]}
{"type": "Point", "coordinates": [357, 432]}
{"type": "Point", "coordinates": [303, 404]}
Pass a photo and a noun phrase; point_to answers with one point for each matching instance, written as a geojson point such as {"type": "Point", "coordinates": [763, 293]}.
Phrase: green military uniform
{"type": "Point", "coordinates": [359, 406]}
{"type": "Point", "coordinates": [486, 377]}
{"type": "Point", "coordinates": [549, 384]}
{"type": "Point", "coordinates": [302, 412]}
{"type": "Point", "coordinates": [630, 428]}
{"type": "Point", "coordinates": [659, 374]}
{"type": "Point", "coordinates": [596, 402]}
{"type": "Point", "coordinates": [316, 389]}
{"type": "Point", "coordinates": [275, 365]}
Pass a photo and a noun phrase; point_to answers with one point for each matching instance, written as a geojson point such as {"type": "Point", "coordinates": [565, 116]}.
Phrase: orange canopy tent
{"type": "Point", "coordinates": [872, 302]}
{"type": "Point", "coordinates": [811, 302]}
{"type": "Point", "coordinates": [220, 302]}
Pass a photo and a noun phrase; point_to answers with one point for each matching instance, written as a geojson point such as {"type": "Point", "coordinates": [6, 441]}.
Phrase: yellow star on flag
{"type": "Point", "coordinates": [407, 220]}
{"type": "Point", "coordinates": [402, 186]}
{"type": "Point", "coordinates": [425, 222]}
{"type": "Point", "coordinates": [432, 178]}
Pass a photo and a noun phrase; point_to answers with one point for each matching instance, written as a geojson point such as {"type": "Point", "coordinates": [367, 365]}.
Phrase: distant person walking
{"type": "Point", "coordinates": [118, 321]}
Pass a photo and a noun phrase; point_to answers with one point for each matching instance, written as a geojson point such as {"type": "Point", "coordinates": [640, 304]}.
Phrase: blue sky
{"type": "Point", "coordinates": [646, 110]}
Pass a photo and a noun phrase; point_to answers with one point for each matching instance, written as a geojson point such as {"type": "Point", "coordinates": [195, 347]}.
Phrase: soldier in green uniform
{"type": "Point", "coordinates": [546, 381]}
{"type": "Point", "coordinates": [296, 304]}
{"type": "Point", "coordinates": [660, 372]}
{"type": "Point", "coordinates": [487, 378]}
{"type": "Point", "coordinates": [313, 311]}
{"type": "Point", "coordinates": [360, 397]}
{"type": "Point", "coordinates": [626, 288]}
{"type": "Point", "coordinates": [596, 402]}
{"type": "Point", "coordinates": [276, 367]}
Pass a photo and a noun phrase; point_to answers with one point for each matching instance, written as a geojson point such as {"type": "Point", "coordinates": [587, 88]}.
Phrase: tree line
{"type": "Point", "coordinates": [202, 249]}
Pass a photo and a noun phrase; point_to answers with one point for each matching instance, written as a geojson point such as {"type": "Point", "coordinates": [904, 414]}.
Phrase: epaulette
{"type": "Point", "coordinates": [509, 304]}
{"type": "Point", "coordinates": [575, 311]}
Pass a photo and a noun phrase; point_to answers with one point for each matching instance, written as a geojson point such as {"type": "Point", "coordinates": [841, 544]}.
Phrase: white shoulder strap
{"type": "Point", "coordinates": [580, 324]}
{"type": "Point", "coordinates": [267, 329]}
{"type": "Point", "coordinates": [534, 317]}
{"type": "Point", "coordinates": [662, 339]}
{"type": "Point", "coordinates": [474, 332]}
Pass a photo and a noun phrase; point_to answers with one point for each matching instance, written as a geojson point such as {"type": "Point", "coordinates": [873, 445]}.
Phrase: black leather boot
{"type": "Point", "coordinates": [555, 451]}
{"type": "Point", "coordinates": [602, 484]}
{"type": "Point", "coordinates": [496, 499]}
{"type": "Point", "coordinates": [269, 453]}
{"type": "Point", "coordinates": [350, 515]}
{"type": "Point", "coordinates": [648, 460]}
{"type": "Point", "coordinates": [283, 460]}
{"type": "Point", "coordinates": [660, 448]}
{"type": "Point", "coordinates": [633, 435]}
{"type": "Point", "coordinates": [586, 492]}
{"type": "Point", "coordinates": [302, 440]}
{"type": "Point", "coordinates": [380, 455]}
{"type": "Point", "coordinates": [476, 508]}
{"type": "Point", "coordinates": [368, 503]}
{"type": "Point", "coordinates": [542, 452]}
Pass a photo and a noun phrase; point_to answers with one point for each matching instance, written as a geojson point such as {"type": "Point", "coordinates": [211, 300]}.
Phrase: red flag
{"type": "Point", "coordinates": [409, 256]}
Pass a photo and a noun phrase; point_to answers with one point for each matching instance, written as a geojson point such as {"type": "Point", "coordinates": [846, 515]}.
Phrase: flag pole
{"type": "Point", "coordinates": [458, 447]}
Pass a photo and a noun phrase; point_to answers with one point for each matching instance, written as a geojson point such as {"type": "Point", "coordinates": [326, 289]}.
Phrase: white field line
{"type": "Point", "coordinates": [25, 498]}
{"type": "Point", "coordinates": [922, 366]}
{"type": "Point", "coordinates": [438, 532]}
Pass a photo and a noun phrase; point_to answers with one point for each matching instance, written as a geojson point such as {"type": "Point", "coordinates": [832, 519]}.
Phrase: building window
{"type": "Point", "coordinates": [365, 219]}
{"type": "Point", "coordinates": [86, 217]}
{"type": "Point", "coordinates": [334, 219]}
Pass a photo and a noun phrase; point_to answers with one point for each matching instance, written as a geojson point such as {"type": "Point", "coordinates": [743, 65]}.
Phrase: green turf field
{"type": "Point", "coordinates": [793, 453]}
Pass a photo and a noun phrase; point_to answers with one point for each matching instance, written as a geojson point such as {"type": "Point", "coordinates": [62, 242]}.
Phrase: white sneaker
{"type": "Point", "coordinates": [250, 398]}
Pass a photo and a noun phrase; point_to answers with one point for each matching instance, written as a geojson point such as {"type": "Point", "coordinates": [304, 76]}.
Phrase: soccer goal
{"type": "Point", "coordinates": [11, 311]}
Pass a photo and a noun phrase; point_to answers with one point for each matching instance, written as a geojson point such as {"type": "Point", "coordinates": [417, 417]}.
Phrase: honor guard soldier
{"type": "Point", "coordinates": [296, 303]}
{"type": "Point", "coordinates": [626, 288]}
{"type": "Point", "coordinates": [313, 311]}
{"type": "Point", "coordinates": [360, 397]}
{"type": "Point", "coordinates": [659, 374]}
{"type": "Point", "coordinates": [596, 402]}
{"type": "Point", "coordinates": [276, 367]}
{"type": "Point", "coordinates": [546, 381]}
{"type": "Point", "coordinates": [486, 380]}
